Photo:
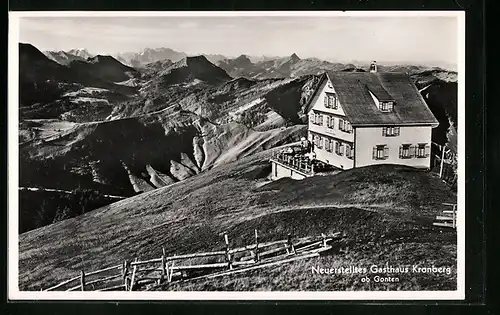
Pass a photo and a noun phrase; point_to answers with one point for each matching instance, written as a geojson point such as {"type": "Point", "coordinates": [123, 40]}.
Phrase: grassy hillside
{"type": "Point", "coordinates": [385, 212]}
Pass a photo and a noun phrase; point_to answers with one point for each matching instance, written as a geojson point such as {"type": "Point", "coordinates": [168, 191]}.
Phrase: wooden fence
{"type": "Point", "coordinates": [159, 272]}
{"type": "Point", "coordinates": [449, 219]}
{"type": "Point", "coordinates": [444, 162]}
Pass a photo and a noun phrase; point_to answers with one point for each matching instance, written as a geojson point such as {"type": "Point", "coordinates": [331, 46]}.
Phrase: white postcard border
{"type": "Point", "coordinates": [13, 165]}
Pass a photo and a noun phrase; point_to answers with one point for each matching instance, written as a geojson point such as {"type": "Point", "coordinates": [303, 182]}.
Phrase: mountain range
{"type": "Point", "coordinates": [93, 122]}
{"type": "Point", "coordinates": [183, 142]}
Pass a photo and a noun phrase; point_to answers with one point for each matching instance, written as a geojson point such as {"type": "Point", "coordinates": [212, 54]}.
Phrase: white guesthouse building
{"type": "Point", "coordinates": [364, 118]}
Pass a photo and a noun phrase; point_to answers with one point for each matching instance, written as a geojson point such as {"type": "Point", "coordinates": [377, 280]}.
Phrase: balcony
{"type": "Point", "coordinates": [299, 161]}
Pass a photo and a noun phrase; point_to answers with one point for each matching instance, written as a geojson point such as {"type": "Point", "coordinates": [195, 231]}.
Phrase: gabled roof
{"type": "Point", "coordinates": [353, 90]}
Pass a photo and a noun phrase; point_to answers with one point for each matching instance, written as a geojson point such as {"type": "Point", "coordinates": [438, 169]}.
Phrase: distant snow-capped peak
{"type": "Point", "coordinates": [80, 52]}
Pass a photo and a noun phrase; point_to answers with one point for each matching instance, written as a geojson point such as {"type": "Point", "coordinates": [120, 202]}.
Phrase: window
{"type": "Point", "coordinates": [348, 127]}
{"type": "Point", "coordinates": [339, 148]}
{"type": "Point", "coordinates": [331, 100]}
{"type": "Point", "coordinates": [318, 141]}
{"type": "Point", "coordinates": [330, 122]}
{"type": "Point", "coordinates": [329, 145]}
{"type": "Point", "coordinates": [390, 131]}
{"type": "Point", "coordinates": [405, 151]}
{"type": "Point", "coordinates": [386, 106]}
{"type": "Point", "coordinates": [345, 126]}
{"type": "Point", "coordinates": [380, 152]}
{"type": "Point", "coordinates": [317, 119]}
{"type": "Point", "coordinates": [348, 151]}
{"type": "Point", "coordinates": [423, 150]}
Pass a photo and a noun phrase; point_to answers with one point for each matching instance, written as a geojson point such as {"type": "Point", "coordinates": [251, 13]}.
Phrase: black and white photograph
{"type": "Point", "coordinates": [236, 155]}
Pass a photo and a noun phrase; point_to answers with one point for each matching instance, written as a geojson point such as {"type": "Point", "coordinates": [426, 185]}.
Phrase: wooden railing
{"type": "Point", "coordinates": [449, 219]}
{"type": "Point", "coordinates": [299, 162]}
{"type": "Point", "coordinates": [160, 272]}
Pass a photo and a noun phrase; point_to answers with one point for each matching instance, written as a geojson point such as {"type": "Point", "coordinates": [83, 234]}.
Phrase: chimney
{"type": "Point", "coordinates": [373, 67]}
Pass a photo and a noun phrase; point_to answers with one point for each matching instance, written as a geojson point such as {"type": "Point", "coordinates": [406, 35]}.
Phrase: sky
{"type": "Point", "coordinates": [421, 40]}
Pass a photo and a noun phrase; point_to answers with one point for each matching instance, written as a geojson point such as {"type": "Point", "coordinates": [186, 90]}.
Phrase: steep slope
{"type": "Point", "coordinates": [190, 215]}
{"type": "Point", "coordinates": [156, 68]}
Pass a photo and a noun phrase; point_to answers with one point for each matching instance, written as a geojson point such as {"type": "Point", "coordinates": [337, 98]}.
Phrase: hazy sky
{"type": "Point", "coordinates": [415, 39]}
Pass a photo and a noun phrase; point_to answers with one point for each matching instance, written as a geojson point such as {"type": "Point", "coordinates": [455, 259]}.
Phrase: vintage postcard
{"type": "Point", "coordinates": [236, 155]}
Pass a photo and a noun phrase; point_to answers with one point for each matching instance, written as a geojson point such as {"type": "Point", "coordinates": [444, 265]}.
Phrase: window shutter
{"type": "Point", "coordinates": [374, 153]}
{"type": "Point", "coordinates": [335, 106]}
{"type": "Point", "coordinates": [427, 150]}
{"type": "Point", "coordinates": [341, 149]}
{"type": "Point", "coordinates": [401, 152]}
{"type": "Point", "coordinates": [384, 131]}
{"type": "Point", "coordinates": [386, 152]}
{"type": "Point", "coordinates": [396, 131]}
{"type": "Point", "coordinates": [326, 100]}
{"type": "Point", "coordinates": [333, 122]}
{"type": "Point", "coordinates": [311, 118]}
{"type": "Point", "coordinates": [341, 124]}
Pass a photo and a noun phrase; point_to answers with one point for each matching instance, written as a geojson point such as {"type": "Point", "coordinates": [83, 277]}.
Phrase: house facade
{"type": "Point", "coordinates": [364, 118]}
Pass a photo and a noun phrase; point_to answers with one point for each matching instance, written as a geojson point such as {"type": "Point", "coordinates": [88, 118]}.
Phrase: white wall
{"type": "Point", "coordinates": [319, 99]}
{"type": "Point", "coordinates": [368, 137]}
{"type": "Point", "coordinates": [332, 158]}
{"type": "Point", "coordinates": [333, 133]}
{"type": "Point", "coordinates": [279, 171]}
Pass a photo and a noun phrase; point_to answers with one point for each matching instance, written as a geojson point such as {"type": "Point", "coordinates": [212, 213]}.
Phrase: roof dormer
{"type": "Point", "coordinates": [382, 99]}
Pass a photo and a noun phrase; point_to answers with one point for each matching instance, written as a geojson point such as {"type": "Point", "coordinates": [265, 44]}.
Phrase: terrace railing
{"type": "Point", "coordinates": [298, 162]}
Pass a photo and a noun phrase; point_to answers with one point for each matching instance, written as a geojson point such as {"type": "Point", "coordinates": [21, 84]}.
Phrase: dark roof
{"type": "Point", "coordinates": [353, 89]}
{"type": "Point", "coordinates": [379, 91]}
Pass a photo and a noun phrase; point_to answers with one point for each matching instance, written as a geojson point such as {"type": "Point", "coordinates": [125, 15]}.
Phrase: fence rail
{"type": "Point", "coordinates": [444, 162]}
{"type": "Point", "coordinates": [447, 220]}
{"type": "Point", "coordinates": [162, 271]}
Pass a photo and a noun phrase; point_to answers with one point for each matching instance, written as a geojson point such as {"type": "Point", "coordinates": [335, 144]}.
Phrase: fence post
{"type": "Point", "coordinates": [324, 239]}
{"type": "Point", "coordinates": [228, 255]}
{"type": "Point", "coordinates": [171, 271]}
{"type": "Point", "coordinates": [133, 277]}
{"type": "Point", "coordinates": [256, 246]}
{"type": "Point", "coordinates": [124, 274]}
{"type": "Point", "coordinates": [454, 216]}
{"type": "Point", "coordinates": [162, 266]}
{"type": "Point", "coordinates": [82, 280]}
{"type": "Point", "coordinates": [443, 148]}
{"type": "Point", "coordinates": [167, 271]}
